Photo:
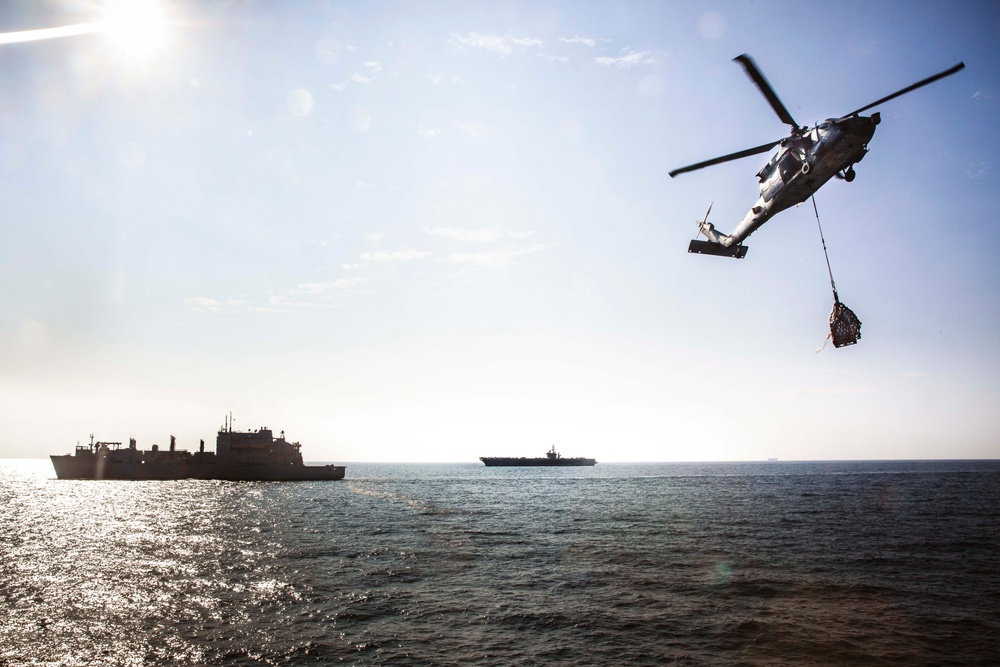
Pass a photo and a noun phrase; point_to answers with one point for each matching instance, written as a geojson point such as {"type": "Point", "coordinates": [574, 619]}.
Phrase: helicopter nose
{"type": "Point", "coordinates": [861, 126]}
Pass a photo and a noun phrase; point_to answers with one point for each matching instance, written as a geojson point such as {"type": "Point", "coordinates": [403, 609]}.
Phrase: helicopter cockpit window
{"type": "Point", "coordinates": [789, 165]}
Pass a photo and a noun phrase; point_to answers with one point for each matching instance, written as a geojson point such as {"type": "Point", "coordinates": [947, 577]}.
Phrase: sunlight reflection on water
{"type": "Point", "coordinates": [441, 564]}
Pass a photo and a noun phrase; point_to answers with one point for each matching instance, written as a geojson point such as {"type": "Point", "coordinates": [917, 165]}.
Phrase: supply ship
{"type": "Point", "coordinates": [551, 458]}
{"type": "Point", "coordinates": [241, 456]}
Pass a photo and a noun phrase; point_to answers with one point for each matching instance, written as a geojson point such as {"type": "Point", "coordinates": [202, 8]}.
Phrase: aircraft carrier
{"type": "Point", "coordinates": [551, 458]}
{"type": "Point", "coordinates": [243, 456]}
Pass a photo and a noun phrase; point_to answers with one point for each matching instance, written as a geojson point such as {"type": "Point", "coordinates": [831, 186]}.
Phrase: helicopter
{"type": "Point", "coordinates": [805, 161]}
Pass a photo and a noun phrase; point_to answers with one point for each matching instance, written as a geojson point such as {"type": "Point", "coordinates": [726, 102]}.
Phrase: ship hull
{"type": "Point", "coordinates": [78, 467]}
{"type": "Point", "coordinates": [497, 461]}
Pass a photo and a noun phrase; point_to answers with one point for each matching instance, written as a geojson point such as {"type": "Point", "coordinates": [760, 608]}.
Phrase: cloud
{"type": "Point", "coordinates": [340, 284]}
{"type": "Point", "coordinates": [586, 41]}
{"type": "Point", "coordinates": [495, 43]}
{"type": "Point", "coordinates": [361, 78]}
{"type": "Point", "coordinates": [485, 235]}
{"type": "Point", "coordinates": [395, 256]}
{"type": "Point", "coordinates": [429, 132]}
{"type": "Point", "coordinates": [373, 65]}
{"type": "Point", "coordinates": [551, 58]}
{"type": "Point", "coordinates": [494, 259]}
{"type": "Point", "coordinates": [526, 41]}
{"type": "Point", "coordinates": [628, 59]}
{"type": "Point", "coordinates": [375, 237]}
{"type": "Point", "coordinates": [202, 304]}
{"type": "Point", "coordinates": [290, 301]}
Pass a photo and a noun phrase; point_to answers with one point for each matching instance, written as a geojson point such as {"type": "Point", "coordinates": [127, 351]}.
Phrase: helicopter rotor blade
{"type": "Point", "coordinates": [767, 90]}
{"type": "Point", "coordinates": [726, 158]}
{"type": "Point", "coordinates": [908, 89]}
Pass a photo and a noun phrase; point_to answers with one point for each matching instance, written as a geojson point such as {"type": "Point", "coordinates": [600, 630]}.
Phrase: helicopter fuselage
{"type": "Point", "coordinates": [802, 165]}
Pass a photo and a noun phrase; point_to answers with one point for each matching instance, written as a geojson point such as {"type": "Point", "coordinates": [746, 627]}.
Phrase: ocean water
{"type": "Point", "coordinates": [856, 563]}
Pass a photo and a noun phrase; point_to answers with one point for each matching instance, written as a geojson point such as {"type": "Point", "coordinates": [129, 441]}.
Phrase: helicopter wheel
{"type": "Point", "coordinates": [849, 174]}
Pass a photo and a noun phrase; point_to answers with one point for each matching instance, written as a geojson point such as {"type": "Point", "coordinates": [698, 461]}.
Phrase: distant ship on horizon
{"type": "Point", "coordinates": [551, 458]}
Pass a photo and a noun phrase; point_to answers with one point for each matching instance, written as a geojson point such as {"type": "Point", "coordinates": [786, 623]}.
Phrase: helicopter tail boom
{"type": "Point", "coordinates": [720, 245]}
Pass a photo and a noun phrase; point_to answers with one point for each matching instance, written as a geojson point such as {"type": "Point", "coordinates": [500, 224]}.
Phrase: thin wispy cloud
{"type": "Point", "coordinates": [627, 59]}
{"type": "Point", "coordinates": [586, 41]}
{"type": "Point", "coordinates": [552, 58]}
{"type": "Point", "coordinates": [338, 285]}
{"type": "Point", "coordinates": [301, 297]}
{"type": "Point", "coordinates": [499, 44]}
{"type": "Point", "coordinates": [372, 67]}
{"type": "Point", "coordinates": [495, 259]}
{"type": "Point", "coordinates": [201, 304]}
{"type": "Point", "coordinates": [394, 256]}
{"type": "Point", "coordinates": [486, 235]}
{"type": "Point", "coordinates": [526, 41]}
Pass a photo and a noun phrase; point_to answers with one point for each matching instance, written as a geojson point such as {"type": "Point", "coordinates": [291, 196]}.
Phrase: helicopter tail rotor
{"type": "Point", "coordinates": [717, 244]}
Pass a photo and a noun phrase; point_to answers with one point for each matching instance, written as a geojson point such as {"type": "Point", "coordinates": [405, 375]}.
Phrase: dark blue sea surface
{"type": "Point", "coordinates": [854, 563]}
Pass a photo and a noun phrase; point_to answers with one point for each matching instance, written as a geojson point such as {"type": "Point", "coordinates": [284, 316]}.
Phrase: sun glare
{"type": "Point", "coordinates": [137, 29]}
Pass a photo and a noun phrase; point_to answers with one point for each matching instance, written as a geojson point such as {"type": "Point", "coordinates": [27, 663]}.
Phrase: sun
{"type": "Point", "coordinates": [137, 29]}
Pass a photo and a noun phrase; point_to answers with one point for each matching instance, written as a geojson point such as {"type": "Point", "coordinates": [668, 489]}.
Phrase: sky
{"type": "Point", "coordinates": [434, 231]}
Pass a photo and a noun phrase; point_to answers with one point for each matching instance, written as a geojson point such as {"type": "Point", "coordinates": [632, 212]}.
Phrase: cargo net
{"type": "Point", "coordinates": [845, 327]}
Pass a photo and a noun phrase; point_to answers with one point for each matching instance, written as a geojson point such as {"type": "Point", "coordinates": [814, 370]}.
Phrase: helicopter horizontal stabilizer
{"type": "Point", "coordinates": [709, 248]}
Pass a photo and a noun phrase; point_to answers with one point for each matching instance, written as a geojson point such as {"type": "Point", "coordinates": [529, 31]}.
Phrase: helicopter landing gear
{"type": "Point", "coordinates": [847, 175]}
